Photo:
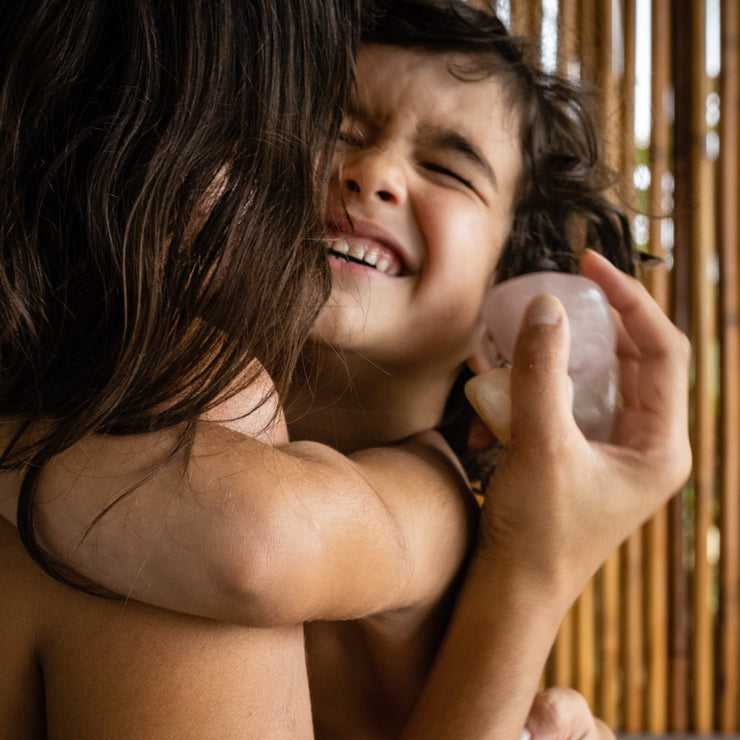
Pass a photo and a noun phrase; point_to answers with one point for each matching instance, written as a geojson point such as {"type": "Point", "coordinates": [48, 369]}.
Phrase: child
{"type": "Point", "coordinates": [348, 553]}
{"type": "Point", "coordinates": [430, 198]}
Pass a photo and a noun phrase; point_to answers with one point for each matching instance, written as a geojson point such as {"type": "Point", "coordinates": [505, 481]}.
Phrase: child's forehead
{"type": "Point", "coordinates": [390, 74]}
{"type": "Point", "coordinates": [462, 68]}
{"type": "Point", "coordinates": [455, 85]}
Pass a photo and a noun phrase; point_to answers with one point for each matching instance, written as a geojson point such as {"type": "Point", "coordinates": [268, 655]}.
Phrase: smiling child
{"type": "Point", "coordinates": [432, 190]}
{"type": "Point", "coordinates": [419, 216]}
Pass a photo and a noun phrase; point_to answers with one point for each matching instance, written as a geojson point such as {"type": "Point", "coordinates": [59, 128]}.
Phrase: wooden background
{"type": "Point", "coordinates": [653, 641]}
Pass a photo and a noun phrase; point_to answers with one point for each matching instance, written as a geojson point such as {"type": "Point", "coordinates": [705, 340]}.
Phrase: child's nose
{"type": "Point", "coordinates": [374, 175]}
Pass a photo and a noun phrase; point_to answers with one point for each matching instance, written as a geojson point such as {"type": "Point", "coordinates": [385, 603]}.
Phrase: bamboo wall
{"type": "Point", "coordinates": [653, 641]}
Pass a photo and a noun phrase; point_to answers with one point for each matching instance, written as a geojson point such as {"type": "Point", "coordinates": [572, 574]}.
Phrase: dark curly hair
{"type": "Point", "coordinates": [564, 186]}
{"type": "Point", "coordinates": [563, 201]}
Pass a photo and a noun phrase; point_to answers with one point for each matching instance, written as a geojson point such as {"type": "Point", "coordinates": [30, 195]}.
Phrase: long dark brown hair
{"type": "Point", "coordinates": [161, 171]}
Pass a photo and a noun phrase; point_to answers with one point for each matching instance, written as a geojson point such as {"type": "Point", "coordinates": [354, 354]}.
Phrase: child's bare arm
{"type": "Point", "coordinates": [260, 534]}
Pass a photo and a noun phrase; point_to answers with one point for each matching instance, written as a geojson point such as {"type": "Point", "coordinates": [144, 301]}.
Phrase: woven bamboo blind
{"type": "Point", "coordinates": [653, 642]}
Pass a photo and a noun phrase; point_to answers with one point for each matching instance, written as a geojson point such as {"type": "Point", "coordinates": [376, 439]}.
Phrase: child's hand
{"type": "Point", "coordinates": [563, 714]}
{"type": "Point", "coordinates": [557, 505]}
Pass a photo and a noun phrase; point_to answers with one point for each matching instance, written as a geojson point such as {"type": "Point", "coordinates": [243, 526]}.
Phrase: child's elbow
{"type": "Point", "coordinates": [255, 581]}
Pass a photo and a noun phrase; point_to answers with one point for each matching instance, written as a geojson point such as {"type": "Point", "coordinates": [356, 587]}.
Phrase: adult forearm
{"type": "Point", "coordinates": [489, 665]}
{"type": "Point", "coordinates": [556, 507]}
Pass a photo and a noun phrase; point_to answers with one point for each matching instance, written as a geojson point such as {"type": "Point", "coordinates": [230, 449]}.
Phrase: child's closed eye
{"type": "Point", "coordinates": [351, 137]}
{"type": "Point", "coordinates": [442, 170]}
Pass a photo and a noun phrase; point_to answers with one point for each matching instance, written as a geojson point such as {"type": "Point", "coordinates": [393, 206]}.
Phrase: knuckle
{"type": "Point", "coordinates": [686, 462]}
{"type": "Point", "coordinates": [556, 711]}
{"type": "Point", "coordinates": [550, 708]}
{"type": "Point", "coordinates": [683, 348]}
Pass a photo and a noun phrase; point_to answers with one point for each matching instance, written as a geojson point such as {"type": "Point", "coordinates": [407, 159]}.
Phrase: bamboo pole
{"type": "Point", "coordinates": [607, 73]}
{"type": "Point", "coordinates": [584, 611]}
{"type": "Point", "coordinates": [585, 644]}
{"type": "Point", "coordinates": [660, 203]}
{"type": "Point", "coordinates": [682, 162]}
{"type": "Point", "coordinates": [703, 299]}
{"type": "Point", "coordinates": [567, 37]}
{"type": "Point", "coordinates": [656, 609]}
{"type": "Point", "coordinates": [526, 19]}
{"type": "Point", "coordinates": [633, 643]}
{"type": "Point", "coordinates": [587, 40]}
{"type": "Point", "coordinates": [627, 92]}
{"type": "Point", "coordinates": [632, 555]}
{"type": "Point", "coordinates": [607, 706]}
{"type": "Point", "coordinates": [728, 656]}
{"type": "Point", "coordinates": [680, 701]}
{"type": "Point", "coordinates": [560, 671]}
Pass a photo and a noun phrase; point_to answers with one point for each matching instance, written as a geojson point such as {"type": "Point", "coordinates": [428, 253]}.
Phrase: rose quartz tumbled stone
{"type": "Point", "coordinates": [592, 364]}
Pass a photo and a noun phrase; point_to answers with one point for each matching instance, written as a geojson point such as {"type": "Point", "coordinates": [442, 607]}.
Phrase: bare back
{"type": "Point", "coordinates": [80, 666]}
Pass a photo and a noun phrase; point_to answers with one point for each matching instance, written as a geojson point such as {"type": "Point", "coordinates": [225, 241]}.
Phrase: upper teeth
{"type": "Point", "coordinates": [372, 256]}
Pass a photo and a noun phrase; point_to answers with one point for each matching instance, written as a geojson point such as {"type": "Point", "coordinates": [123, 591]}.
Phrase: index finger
{"type": "Point", "coordinates": [647, 326]}
{"type": "Point", "coordinates": [655, 353]}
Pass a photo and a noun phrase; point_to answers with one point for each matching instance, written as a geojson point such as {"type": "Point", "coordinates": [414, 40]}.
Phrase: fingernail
{"type": "Point", "coordinates": [544, 310]}
{"type": "Point", "coordinates": [526, 734]}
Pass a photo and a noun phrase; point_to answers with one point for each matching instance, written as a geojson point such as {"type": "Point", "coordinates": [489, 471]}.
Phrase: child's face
{"type": "Point", "coordinates": [427, 168]}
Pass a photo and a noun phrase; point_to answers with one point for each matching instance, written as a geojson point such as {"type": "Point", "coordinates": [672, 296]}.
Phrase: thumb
{"type": "Point", "coordinates": [540, 394]}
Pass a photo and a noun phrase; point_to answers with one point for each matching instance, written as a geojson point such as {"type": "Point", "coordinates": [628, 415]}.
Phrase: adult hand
{"type": "Point", "coordinates": [560, 713]}
{"type": "Point", "coordinates": [557, 504]}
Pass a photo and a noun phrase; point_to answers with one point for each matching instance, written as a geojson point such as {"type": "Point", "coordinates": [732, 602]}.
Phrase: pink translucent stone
{"type": "Point", "coordinates": [592, 364]}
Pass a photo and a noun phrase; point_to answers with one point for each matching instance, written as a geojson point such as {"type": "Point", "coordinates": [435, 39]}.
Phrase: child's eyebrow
{"type": "Point", "coordinates": [445, 138]}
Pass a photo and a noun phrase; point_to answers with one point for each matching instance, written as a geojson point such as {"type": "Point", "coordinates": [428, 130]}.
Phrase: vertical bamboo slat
{"type": "Point", "coordinates": [609, 77]}
{"type": "Point", "coordinates": [633, 635]}
{"type": "Point", "coordinates": [588, 34]}
{"type": "Point", "coordinates": [632, 555]}
{"type": "Point", "coordinates": [567, 35]}
{"type": "Point", "coordinates": [728, 655]}
{"type": "Point", "coordinates": [681, 29]}
{"type": "Point", "coordinates": [585, 616]}
{"type": "Point", "coordinates": [526, 19]}
{"type": "Point", "coordinates": [702, 234]}
{"type": "Point", "coordinates": [626, 95]}
{"type": "Point", "coordinates": [585, 635]}
{"type": "Point", "coordinates": [678, 698]}
{"type": "Point", "coordinates": [562, 666]}
{"type": "Point", "coordinates": [657, 566]}
{"type": "Point", "coordinates": [608, 691]}
{"type": "Point", "coordinates": [561, 671]}
{"type": "Point", "coordinates": [656, 629]}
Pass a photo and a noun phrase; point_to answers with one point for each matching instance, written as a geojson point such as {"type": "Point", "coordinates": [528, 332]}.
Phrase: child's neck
{"type": "Point", "coordinates": [349, 403]}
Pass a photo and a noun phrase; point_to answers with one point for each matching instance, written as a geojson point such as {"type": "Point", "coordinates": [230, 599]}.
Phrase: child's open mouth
{"type": "Point", "coordinates": [363, 252]}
